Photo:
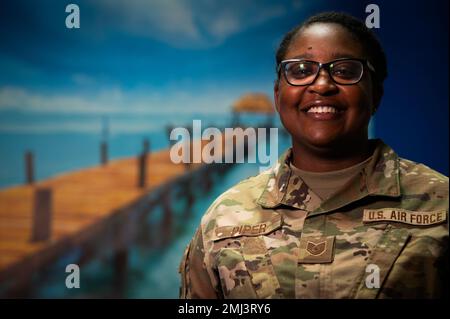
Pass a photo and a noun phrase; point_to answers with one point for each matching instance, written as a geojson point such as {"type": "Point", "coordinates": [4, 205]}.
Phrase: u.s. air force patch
{"type": "Point", "coordinates": [404, 216]}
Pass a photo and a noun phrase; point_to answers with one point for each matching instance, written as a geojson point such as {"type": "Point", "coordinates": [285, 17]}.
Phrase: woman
{"type": "Point", "coordinates": [339, 216]}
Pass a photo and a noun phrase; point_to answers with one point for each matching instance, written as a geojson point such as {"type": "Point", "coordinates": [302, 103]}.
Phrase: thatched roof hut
{"type": "Point", "coordinates": [254, 103]}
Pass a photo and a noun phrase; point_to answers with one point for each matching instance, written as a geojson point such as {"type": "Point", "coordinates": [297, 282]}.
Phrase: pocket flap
{"type": "Point", "coordinates": [383, 257]}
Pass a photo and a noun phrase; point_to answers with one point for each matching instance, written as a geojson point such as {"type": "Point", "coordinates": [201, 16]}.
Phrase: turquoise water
{"type": "Point", "coordinates": [159, 277]}
{"type": "Point", "coordinates": [156, 276]}
{"type": "Point", "coordinates": [152, 269]}
{"type": "Point", "coordinates": [60, 152]}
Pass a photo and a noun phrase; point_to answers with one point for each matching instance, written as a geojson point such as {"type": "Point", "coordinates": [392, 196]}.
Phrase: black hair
{"type": "Point", "coordinates": [357, 28]}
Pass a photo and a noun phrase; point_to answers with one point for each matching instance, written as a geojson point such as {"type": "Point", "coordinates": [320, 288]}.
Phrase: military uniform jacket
{"type": "Point", "coordinates": [383, 235]}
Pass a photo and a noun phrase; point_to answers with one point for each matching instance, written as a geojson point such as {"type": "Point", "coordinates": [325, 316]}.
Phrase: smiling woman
{"type": "Point", "coordinates": [340, 215]}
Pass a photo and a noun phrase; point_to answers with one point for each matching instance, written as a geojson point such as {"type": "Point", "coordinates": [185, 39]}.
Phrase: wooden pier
{"type": "Point", "coordinates": [94, 210]}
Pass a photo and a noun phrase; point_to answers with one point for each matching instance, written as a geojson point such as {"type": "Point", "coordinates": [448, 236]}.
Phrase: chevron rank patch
{"type": "Point", "coordinates": [316, 250]}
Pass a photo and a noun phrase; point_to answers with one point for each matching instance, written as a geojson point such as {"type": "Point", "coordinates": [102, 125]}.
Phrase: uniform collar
{"type": "Point", "coordinates": [379, 177]}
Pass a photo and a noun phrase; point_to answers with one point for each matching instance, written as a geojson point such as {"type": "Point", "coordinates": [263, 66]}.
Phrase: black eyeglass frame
{"type": "Point", "coordinates": [325, 66]}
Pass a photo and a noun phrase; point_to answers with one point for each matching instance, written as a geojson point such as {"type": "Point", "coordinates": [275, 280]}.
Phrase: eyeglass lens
{"type": "Point", "coordinates": [305, 72]}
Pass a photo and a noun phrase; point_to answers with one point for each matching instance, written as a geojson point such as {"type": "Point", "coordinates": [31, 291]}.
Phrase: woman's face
{"type": "Point", "coordinates": [324, 42]}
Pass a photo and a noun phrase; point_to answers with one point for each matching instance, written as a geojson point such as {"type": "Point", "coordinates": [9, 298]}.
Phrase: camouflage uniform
{"type": "Point", "coordinates": [384, 235]}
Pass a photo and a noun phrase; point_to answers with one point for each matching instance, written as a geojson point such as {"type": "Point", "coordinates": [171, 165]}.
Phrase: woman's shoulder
{"type": "Point", "coordinates": [238, 205]}
{"type": "Point", "coordinates": [416, 177]}
{"type": "Point", "coordinates": [243, 194]}
{"type": "Point", "coordinates": [411, 170]}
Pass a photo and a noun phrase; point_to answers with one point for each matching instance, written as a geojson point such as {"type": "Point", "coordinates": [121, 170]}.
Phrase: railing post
{"type": "Point", "coordinates": [187, 190]}
{"type": "Point", "coordinates": [104, 153]}
{"type": "Point", "coordinates": [29, 167]}
{"type": "Point", "coordinates": [142, 163]}
{"type": "Point", "coordinates": [120, 257]}
{"type": "Point", "coordinates": [169, 129]}
{"type": "Point", "coordinates": [167, 218]}
{"type": "Point", "coordinates": [145, 146]}
{"type": "Point", "coordinates": [121, 272]}
{"type": "Point", "coordinates": [42, 215]}
{"type": "Point", "coordinates": [207, 179]}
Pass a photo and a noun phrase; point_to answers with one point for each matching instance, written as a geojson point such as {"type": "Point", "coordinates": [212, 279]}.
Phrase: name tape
{"type": "Point", "coordinates": [248, 230]}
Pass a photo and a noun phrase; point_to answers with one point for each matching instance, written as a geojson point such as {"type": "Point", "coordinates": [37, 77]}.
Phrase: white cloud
{"type": "Point", "coordinates": [53, 127]}
{"type": "Point", "coordinates": [19, 99]}
{"type": "Point", "coordinates": [160, 19]}
{"type": "Point", "coordinates": [115, 101]}
{"type": "Point", "coordinates": [142, 110]}
{"type": "Point", "coordinates": [92, 126]}
{"type": "Point", "coordinates": [239, 17]}
{"type": "Point", "coordinates": [187, 23]}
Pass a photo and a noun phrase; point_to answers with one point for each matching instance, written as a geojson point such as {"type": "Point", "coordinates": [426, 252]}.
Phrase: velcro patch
{"type": "Point", "coordinates": [248, 230]}
{"type": "Point", "coordinates": [404, 216]}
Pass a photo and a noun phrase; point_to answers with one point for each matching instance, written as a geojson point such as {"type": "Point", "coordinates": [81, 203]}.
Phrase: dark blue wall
{"type": "Point", "coordinates": [413, 116]}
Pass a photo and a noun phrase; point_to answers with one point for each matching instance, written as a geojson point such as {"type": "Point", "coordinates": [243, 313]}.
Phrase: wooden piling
{"type": "Point", "coordinates": [169, 129]}
{"type": "Point", "coordinates": [145, 146]}
{"type": "Point", "coordinates": [190, 194]}
{"type": "Point", "coordinates": [142, 163]}
{"type": "Point", "coordinates": [103, 153]}
{"type": "Point", "coordinates": [121, 272]}
{"type": "Point", "coordinates": [29, 167]}
{"type": "Point", "coordinates": [167, 218]}
{"type": "Point", "coordinates": [42, 215]}
{"type": "Point", "coordinates": [120, 257]}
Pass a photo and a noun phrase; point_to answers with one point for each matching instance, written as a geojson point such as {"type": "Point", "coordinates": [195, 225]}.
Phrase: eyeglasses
{"type": "Point", "coordinates": [344, 71]}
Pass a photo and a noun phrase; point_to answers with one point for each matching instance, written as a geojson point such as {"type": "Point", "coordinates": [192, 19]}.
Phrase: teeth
{"type": "Point", "coordinates": [322, 109]}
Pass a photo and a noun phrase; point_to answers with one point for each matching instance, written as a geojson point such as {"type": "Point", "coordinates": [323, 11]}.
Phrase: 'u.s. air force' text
{"type": "Point", "coordinates": [420, 218]}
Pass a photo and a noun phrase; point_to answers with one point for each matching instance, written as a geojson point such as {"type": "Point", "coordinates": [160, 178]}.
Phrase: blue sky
{"type": "Point", "coordinates": [147, 63]}
{"type": "Point", "coordinates": [133, 59]}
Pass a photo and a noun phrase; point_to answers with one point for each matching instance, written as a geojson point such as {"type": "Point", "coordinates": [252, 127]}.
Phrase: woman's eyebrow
{"type": "Point", "coordinates": [334, 55]}
{"type": "Point", "coordinates": [303, 56]}
{"type": "Point", "coordinates": [340, 55]}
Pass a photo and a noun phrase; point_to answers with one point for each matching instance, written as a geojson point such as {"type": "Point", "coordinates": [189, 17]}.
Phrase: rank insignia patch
{"type": "Point", "coordinates": [316, 250]}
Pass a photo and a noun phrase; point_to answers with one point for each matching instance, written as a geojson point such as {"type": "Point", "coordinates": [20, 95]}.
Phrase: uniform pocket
{"type": "Point", "coordinates": [233, 274]}
{"type": "Point", "coordinates": [259, 265]}
{"type": "Point", "coordinates": [247, 271]}
{"type": "Point", "coordinates": [243, 260]}
{"type": "Point", "coordinates": [419, 271]}
{"type": "Point", "coordinates": [381, 260]}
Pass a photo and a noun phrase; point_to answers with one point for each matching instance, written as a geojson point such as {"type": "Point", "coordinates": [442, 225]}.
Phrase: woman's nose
{"type": "Point", "coordinates": [323, 84]}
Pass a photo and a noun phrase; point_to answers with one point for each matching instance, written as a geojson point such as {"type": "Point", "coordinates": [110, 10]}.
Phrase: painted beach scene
{"type": "Point", "coordinates": [122, 121]}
